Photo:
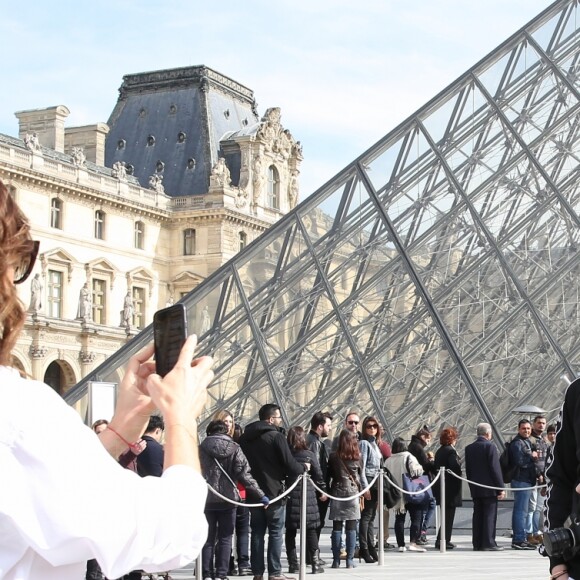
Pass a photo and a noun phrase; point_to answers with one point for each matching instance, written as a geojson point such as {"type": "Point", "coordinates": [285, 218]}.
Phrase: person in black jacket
{"type": "Point", "coordinates": [482, 467]}
{"type": "Point", "coordinates": [320, 427]}
{"type": "Point", "coordinates": [271, 462]}
{"type": "Point", "coordinates": [223, 464]}
{"type": "Point", "coordinates": [150, 460]}
{"type": "Point", "coordinates": [417, 448]}
{"type": "Point", "coordinates": [448, 458]}
{"type": "Point", "coordinates": [303, 455]}
{"type": "Point", "coordinates": [563, 477]}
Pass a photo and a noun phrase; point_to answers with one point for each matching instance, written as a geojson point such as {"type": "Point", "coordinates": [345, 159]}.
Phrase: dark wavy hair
{"type": "Point", "coordinates": [296, 438]}
{"type": "Point", "coordinates": [15, 244]}
{"type": "Point", "coordinates": [366, 421]}
{"type": "Point", "coordinates": [348, 445]}
{"type": "Point", "coordinates": [448, 435]}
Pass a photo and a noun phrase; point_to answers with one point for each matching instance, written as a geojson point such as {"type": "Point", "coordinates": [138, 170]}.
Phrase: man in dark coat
{"type": "Point", "coordinates": [150, 460]}
{"type": "Point", "coordinates": [320, 426]}
{"type": "Point", "coordinates": [482, 466]}
{"type": "Point", "coordinates": [271, 462]}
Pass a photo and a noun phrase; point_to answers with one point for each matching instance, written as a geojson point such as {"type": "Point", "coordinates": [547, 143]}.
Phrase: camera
{"type": "Point", "coordinates": [563, 542]}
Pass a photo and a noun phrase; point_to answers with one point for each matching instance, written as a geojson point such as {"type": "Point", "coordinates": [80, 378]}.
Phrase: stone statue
{"type": "Point", "coordinates": [32, 143]}
{"type": "Point", "coordinates": [205, 320]}
{"type": "Point", "coordinates": [84, 311]}
{"type": "Point", "coordinates": [35, 294]}
{"type": "Point", "coordinates": [78, 156]}
{"type": "Point", "coordinates": [119, 170]}
{"type": "Point", "coordinates": [220, 174]}
{"type": "Point", "coordinates": [257, 179]}
{"type": "Point", "coordinates": [156, 183]}
{"type": "Point", "coordinates": [128, 310]}
{"type": "Point", "coordinates": [293, 189]}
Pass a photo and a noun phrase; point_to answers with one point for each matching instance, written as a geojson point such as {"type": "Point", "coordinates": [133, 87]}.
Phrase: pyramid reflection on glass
{"type": "Point", "coordinates": [436, 278]}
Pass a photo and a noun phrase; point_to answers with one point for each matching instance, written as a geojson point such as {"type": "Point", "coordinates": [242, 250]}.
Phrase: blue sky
{"type": "Point", "coordinates": [343, 72]}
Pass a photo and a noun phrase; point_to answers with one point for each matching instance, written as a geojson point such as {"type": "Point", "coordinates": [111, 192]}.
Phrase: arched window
{"type": "Point", "coordinates": [273, 188]}
{"type": "Point", "coordinates": [56, 213]}
{"type": "Point", "coordinates": [100, 224]}
{"type": "Point", "coordinates": [189, 242]}
{"type": "Point", "coordinates": [139, 236]}
{"type": "Point", "coordinates": [243, 239]}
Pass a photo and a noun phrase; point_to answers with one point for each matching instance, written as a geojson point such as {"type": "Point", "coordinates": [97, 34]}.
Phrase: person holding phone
{"type": "Point", "coordinates": [55, 514]}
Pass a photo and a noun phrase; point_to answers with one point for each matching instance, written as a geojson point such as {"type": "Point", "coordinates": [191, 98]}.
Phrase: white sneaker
{"type": "Point", "coordinates": [415, 548]}
{"type": "Point", "coordinates": [402, 549]}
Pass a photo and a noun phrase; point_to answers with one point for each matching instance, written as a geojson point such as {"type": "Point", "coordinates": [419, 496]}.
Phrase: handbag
{"type": "Point", "coordinates": [237, 496]}
{"type": "Point", "coordinates": [391, 495]}
{"type": "Point", "coordinates": [414, 484]}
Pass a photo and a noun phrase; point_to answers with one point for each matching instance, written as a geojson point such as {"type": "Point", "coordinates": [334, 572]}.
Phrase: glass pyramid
{"type": "Point", "coordinates": [436, 279]}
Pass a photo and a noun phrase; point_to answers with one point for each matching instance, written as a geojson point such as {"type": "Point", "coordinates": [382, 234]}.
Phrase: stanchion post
{"type": "Point", "coordinates": [198, 568]}
{"type": "Point", "coordinates": [442, 534]}
{"type": "Point", "coordinates": [303, 524]}
{"type": "Point", "coordinates": [381, 519]}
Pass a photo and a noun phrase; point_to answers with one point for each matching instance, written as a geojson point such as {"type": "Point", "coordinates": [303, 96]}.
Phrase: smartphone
{"type": "Point", "coordinates": [169, 334]}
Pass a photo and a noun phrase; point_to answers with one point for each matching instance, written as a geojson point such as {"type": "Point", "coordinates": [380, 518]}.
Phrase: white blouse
{"type": "Point", "coordinates": [65, 500]}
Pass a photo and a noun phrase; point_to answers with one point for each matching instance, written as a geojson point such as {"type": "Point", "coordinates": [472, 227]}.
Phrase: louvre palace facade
{"type": "Point", "coordinates": [133, 214]}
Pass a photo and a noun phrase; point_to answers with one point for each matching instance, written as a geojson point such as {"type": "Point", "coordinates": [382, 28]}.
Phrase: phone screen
{"type": "Point", "coordinates": [169, 334]}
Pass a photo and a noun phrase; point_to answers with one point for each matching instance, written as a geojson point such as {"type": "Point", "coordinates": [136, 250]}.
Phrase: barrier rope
{"type": "Point", "coordinates": [496, 488]}
{"type": "Point", "coordinates": [350, 497]}
{"type": "Point", "coordinates": [243, 504]}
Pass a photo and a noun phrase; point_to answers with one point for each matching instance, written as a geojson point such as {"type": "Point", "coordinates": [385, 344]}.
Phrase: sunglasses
{"type": "Point", "coordinates": [353, 422]}
{"type": "Point", "coordinates": [372, 426]}
{"type": "Point", "coordinates": [24, 269]}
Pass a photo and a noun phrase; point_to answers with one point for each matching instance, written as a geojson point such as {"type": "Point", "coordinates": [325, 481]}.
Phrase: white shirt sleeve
{"type": "Point", "coordinates": [69, 500]}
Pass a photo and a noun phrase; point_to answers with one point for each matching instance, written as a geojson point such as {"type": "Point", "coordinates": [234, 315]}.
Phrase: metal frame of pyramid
{"type": "Point", "coordinates": [435, 279]}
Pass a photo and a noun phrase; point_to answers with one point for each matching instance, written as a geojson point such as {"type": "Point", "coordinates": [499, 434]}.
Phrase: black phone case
{"type": "Point", "coordinates": [169, 334]}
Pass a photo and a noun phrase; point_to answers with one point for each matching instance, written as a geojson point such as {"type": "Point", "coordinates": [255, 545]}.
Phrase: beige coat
{"type": "Point", "coordinates": [397, 465]}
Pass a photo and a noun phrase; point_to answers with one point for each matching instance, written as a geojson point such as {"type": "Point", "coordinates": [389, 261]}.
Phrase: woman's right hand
{"type": "Point", "coordinates": [181, 395]}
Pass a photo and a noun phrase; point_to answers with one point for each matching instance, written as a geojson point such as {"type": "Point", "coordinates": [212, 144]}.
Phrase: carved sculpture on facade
{"type": "Point", "coordinates": [119, 170]}
{"type": "Point", "coordinates": [37, 351]}
{"type": "Point", "coordinates": [205, 320]}
{"type": "Point", "coordinates": [128, 309]}
{"type": "Point", "coordinates": [84, 311]}
{"type": "Point", "coordinates": [220, 174]}
{"type": "Point", "coordinates": [241, 199]}
{"type": "Point", "coordinates": [156, 183]}
{"type": "Point", "coordinates": [87, 357]}
{"type": "Point", "coordinates": [275, 138]}
{"type": "Point", "coordinates": [258, 178]}
{"type": "Point", "coordinates": [78, 156]}
{"type": "Point", "coordinates": [35, 294]}
{"type": "Point", "coordinates": [32, 143]}
{"type": "Point", "coordinates": [293, 189]}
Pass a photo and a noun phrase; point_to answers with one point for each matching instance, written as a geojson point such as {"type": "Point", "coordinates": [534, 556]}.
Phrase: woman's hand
{"type": "Point", "coordinates": [367, 494]}
{"type": "Point", "coordinates": [134, 405]}
{"type": "Point", "coordinates": [181, 395]}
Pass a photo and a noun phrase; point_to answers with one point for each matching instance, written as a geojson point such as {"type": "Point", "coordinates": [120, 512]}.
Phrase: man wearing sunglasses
{"type": "Point", "coordinates": [351, 423]}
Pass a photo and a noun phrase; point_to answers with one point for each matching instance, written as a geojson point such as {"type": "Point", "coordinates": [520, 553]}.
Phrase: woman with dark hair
{"type": "Point", "coordinates": [345, 472]}
{"type": "Point", "coordinates": [40, 433]}
{"type": "Point", "coordinates": [223, 464]}
{"type": "Point", "coordinates": [297, 442]}
{"type": "Point", "coordinates": [401, 461]}
{"type": "Point", "coordinates": [371, 460]}
{"type": "Point", "coordinates": [448, 458]}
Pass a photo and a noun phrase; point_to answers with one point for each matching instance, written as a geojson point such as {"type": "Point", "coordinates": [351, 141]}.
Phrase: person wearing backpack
{"type": "Point", "coordinates": [523, 458]}
{"type": "Point", "coordinates": [482, 467]}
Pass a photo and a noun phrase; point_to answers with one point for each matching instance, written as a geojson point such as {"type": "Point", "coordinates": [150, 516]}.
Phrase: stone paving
{"type": "Point", "coordinates": [462, 562]}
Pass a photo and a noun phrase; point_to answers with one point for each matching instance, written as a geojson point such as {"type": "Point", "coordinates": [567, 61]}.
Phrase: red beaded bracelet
{"type": "Point", "coordinates": [132, 446]}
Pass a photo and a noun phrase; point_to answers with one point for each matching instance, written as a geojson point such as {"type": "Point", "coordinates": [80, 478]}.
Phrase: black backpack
{"type": "Point", "coordinates": [507, 469]}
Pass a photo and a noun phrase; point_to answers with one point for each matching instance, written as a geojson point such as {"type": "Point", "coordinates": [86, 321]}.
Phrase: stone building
{"type": "Point", "coordinates": [133, 214]}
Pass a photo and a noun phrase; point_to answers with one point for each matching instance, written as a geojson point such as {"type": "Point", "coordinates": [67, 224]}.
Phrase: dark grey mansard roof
{"type": "Point", "coordinates": [196, 101]}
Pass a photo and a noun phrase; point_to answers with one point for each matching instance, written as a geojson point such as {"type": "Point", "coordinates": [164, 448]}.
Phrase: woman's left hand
{"type": "Point", "coordinates": [134, 405]}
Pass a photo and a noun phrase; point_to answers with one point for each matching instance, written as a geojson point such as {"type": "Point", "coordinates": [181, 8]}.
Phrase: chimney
{"type": "Point", "coordinates": [91, 138]}
{"type": "Point", "coordinates": [48, 124]}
